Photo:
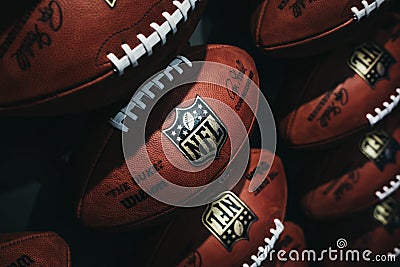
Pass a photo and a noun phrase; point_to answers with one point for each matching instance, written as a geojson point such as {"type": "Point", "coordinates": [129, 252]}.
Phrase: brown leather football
{"type": "Point", "coordinates": [34, 249]}
{"type": "Point", "coordinates": [336, 95]}
{"type": "Point", "coordinates": [356, 174]}
{"type": "Point", "coordinates": [305, 27]}
{"type": "Point", "coordinates": [231, 230]}
{"type": "Point", "coordinates": [110, 198]}
{"type": "Point", "coordinates": [377, 230]}
{"type": "Point", "coordinates": [67, 56]}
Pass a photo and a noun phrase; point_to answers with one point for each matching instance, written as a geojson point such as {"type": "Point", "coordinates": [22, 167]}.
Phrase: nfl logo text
{"type": "Point", "coordinates": [197, 132]}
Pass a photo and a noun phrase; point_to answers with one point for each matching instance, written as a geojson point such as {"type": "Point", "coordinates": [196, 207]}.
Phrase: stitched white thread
{"type": "Point", "coordinates": [387, 191]}
{"type": "Point", "coordinates": [160, 33]}
{"type": "Point", "coordinates": [396, 252]}
{"type": "Point", "coordinates": [137, 99]}
{"type": "Point", "coordinates": [269, 245]}
{"type": "Point", "coordinates": [368, 9]}
{"type": "Point", "coordinates": [380, 114]}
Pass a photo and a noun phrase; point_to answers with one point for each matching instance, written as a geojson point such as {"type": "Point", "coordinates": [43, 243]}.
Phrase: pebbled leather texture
{"type": "Point", "coordinates": [54, 58]}
{"type": "Point", "coordinates": [34, 249]}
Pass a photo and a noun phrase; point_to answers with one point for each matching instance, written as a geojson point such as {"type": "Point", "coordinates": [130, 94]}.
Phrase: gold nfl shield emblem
{"type": "Point", "coordinates": [228, 219]}
{"type": "Point", "coordinates": [387, 213]}
{"type": "Point", "coordinates": [380, 147]}
{"type": "Point", "coordinates": [197, 132]}
{"type": "Point", "coordinates": [371, 62]}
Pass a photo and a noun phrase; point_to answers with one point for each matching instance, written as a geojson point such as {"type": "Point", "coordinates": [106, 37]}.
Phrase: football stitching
{"type": "Point", "coordinates": [125, 29]}
{"type": "Point", "coordinates": [396, 251]}
{"type": "Point", "coordinates": [263, 251]}
{"type": "Point", "coordinates": [387, 191]}
{"type": "Point", "coordinates": [380, 114]}
{"type": "Point", "coordinates": [117, 121]}
{"type": "Point", "coordinates": [146, 45]}
{"type": "Point", "coordinates": [24, 239]}
{"type": "Point", "coordinates": [368, 8]}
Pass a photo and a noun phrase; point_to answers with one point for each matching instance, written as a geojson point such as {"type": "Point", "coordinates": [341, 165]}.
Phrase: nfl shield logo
{"type": "Point", "coordinates": [380, 147]}
{"type": "Point", "coordinates": [229, 219]}
{"type": "Point", "coordinates": [387, 213]}
{"type": "Point", "coordinates": [371, 62]}
{"type": "Point", "coordinates": [197, 132]}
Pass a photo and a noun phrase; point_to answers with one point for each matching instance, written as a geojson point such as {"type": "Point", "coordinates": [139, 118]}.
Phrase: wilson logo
{"type": "Point", "coordinates": [22, 261]}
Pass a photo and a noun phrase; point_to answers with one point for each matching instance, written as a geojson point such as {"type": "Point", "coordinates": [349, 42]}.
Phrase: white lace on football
{"type": "Point", "coordinates": [388, 190]}
{"type": "Point", "coordinates": [368, 9]}
{"type": "Point", "coordinates": [269, 245]}
{"type": "Point", "coordinates": [137, 99]}
{"type": "Point", "coordinates": [396, 252]}
{"type": "Point", "coordinates": [159, 35]}
{"type": "Point", "coordinates": [380, 114]}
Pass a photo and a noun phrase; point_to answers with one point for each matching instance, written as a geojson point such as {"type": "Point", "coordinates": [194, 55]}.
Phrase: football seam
{"type": "Point", "coordinates": [146, 44]}
{"type": "Point", "coordinates": [382, 113]}
{"type": "Point", "coordinates": [388, 189]}
{"type": "Point", "coordinates": [115, 120]}
{"type": "Point", "coordinates": [91, 170]}
{"type": "Point", "coordinates": [260, 20]}
{"type": "Point", "coordinates": [24, 239]}
{"type": "Point", "coordinates": [276, 230]}
{"type": "Point", "coordinates": [329, 141]}
{"type": "Point", "coordinates": [70, 90]}
{"type": "Point", "coordinates": [298, 104]}
{"type": "Point", "coordinates": [278, 164]}
{"type": "Point", "coordinates": [125, 29]}
{"type": "Point", "coordinates": [396, 251]}
{"type": "Point", "coordinates": [307, 39]}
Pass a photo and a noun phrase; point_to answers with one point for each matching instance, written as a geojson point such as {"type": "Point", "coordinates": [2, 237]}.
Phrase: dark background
{"type": "Point", "coordinates": [36, 174]}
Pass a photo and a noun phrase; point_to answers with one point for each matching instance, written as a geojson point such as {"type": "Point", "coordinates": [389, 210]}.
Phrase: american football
{"type": "Point", "coordinates": [355, 175]}
{"type": "Point", "coordinates": [110, 198]}
{"type": "Point", "coordinates": [301, 28]}
{"type": "Point", "coordinates": [33, 249]}
{"type": "Point", "coordinates": [212, 237]}
{"type": "Point", "coordinates": [337, 95]}
{"type": "Point", "coordinates": [197, 133]}
{"type": "Point", "coordinates": [376, 230]}
{"type": "Point", "coordinates": [66, 56]}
